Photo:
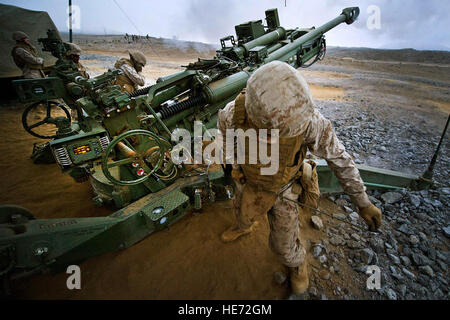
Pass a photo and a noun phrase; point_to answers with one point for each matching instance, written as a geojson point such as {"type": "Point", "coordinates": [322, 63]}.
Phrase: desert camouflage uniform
{"type": "Point", "coordinates": [131, 79]}
{"type": "Point", "coordinates": [29, 61]}
{"type": "Point", "coordinates": [76, 51]}
{"type": "Point", "coordinates": [320, 140]}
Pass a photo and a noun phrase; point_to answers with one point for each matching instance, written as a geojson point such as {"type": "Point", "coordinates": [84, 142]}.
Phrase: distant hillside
{"type": "Point", "coordinates": [404, 55]}
{"type": "Point", "coordinates": [165, 48]}
{"type": "Point", "coordinates": [152, 46]}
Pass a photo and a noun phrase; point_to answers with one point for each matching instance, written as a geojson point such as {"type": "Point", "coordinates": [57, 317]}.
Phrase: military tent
{"type": "Point", "coordinates": [34, 23]}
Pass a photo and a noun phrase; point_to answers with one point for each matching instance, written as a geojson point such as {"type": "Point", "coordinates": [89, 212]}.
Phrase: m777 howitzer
{"type": "Point", "coordinates": [121, 143]}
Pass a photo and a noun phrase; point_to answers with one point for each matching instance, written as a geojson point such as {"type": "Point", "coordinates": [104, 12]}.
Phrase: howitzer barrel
{"type": "Point", "coordinates": [278, 34]}
{"type": "Point", "coordinates": [348, 15]}
{"type": "Point", "coordinates": [243, 49]}
{"type": "Point", "coordinates": [226, 87]}
{"type": "Point", "coordinates": [229, 86]}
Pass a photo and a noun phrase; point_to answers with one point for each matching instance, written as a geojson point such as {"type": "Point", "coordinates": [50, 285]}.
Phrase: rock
{"type": "Point", "coordinates": [342, 202]}
{"type": "Point", "coordinates": [340, 216]}
{"type": "Point", "coordinates": [348, 209]}
{"type": "Point", "coordinates": [391, 295]}
{"type": "Point", "coordinates": [442, 265]}
{"type": "Point", "coordinates": [404, 229]}
{"type": "Point", "coordinates": [317, 251]}
{"type": "Point", "coordinates": [408, 273]}
{"type": "Point", "coordinates": [324, 274]}
{"type": "Point", "coordinates": [427, 270]}
{"type": "Point", "coordinates": [394, 258]}
{"type": "Point", "coordinates": [313, 292]}
{"type": "Point", "coordinates": [353, 216]}
{"type": "Point", "coordinates": [354, 244]}
{"type": "Point", "coordinates": [362, 269]}
{"type": "Point", "coordinates": [415, 200]}
{"type": "Point", "coordinates": [405, 260]}
{"type": "Point", "coordinates": [446, 231]}
{"type": "Point", "coordinates": [420, 260]}
{"type": "Point", "coordinates": [355, 236]}
{"type": "Point", "coordinates": [413, 240]}
{"type": "Point", "coordinates": [402, 289]}
{"type": "Point", "coordinates": [395, 273]}
{"type": "Point", "coordinates": [391, 197]}
{"type": "Point", "coordinates": [377, 245]}
{"type": "Point", "coordinates": [317, 222]}
{"type": "Point", "coordinates": [423, 236]}
{"type": "Point", "coordinates": [367, 256]}
{"type": "Point", "coordinates": [323, 259]}
{"type": "Point", "coordinates": [337, 240]}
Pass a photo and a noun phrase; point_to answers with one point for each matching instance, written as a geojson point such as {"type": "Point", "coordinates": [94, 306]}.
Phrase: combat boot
{"type": "Point", "coordinates": [299, 279]}
{"type": "Point", "coordinates": [234, 232]}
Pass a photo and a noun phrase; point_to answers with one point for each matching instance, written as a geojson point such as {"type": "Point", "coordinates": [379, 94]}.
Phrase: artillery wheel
{"type": "Point", "coordinates": [47, 120]}
{"type": "Point", "coordinates": [137, 157]}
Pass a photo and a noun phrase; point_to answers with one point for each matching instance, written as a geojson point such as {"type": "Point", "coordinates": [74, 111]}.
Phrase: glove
{"type": "Point", "coordinates": [372, 215]}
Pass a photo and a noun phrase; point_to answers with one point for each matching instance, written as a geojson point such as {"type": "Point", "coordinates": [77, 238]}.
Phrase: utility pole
{"type": "Point", "coordinates": [70, 21]}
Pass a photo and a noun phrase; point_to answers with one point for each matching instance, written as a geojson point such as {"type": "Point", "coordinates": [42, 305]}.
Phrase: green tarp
{"type": "Point", "coordinates": [34, 23]}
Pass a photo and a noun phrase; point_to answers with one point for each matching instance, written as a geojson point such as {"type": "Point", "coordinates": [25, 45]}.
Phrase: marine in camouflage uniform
{"type": "Point", "coordinates": [131, 78]}
{"type": "Point", "coordinates": [278, 97]}
{"type": "Point", "coordinates": [74, 55]}
{"type": "Point", "coordinates": [26, 58]}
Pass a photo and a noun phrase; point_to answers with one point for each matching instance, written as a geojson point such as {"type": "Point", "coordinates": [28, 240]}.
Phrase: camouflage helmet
{"type": "Point", "coordinates": [74, 49]}
{"type": "Point", "coordinates": [19, 35]}
{"type": "Point", "coordinates": [138, 56]}
{"type": "Point", "coordinates": [278, 97]}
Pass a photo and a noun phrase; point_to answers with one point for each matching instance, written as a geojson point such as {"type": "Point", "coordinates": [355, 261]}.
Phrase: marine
{"type": "Point", "coordinates": [74, 55]}
{"type": "Point", "coordinates": [278, 97]}
{"type": "Point", "coordinates": [132, 77]}
{"type": "Point", "coordinates": [26, 58]}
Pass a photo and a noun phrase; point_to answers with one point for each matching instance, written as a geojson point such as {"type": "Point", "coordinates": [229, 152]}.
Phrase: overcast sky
{"type": "Point", "coordinates": [419, 24]}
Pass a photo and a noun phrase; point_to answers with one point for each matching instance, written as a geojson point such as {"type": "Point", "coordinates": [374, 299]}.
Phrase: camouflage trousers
{"type": "Point", "coordinates": [284, 216]}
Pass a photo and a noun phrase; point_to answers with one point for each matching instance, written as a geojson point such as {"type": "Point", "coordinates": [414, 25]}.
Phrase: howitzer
{"type": "Point", "coordinates": [121, 144]}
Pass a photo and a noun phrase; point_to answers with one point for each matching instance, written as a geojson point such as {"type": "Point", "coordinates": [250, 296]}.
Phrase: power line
{"type": "Point", "coordinates": [134, 25]}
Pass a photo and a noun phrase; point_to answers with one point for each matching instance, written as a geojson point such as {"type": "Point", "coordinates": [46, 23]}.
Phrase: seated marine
{"type": "Point", "coordinates": [74, 55]}
{"type": "Point", "coordinates": [131, 77]}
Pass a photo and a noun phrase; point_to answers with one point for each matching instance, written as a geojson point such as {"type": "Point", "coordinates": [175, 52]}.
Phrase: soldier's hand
{"type": "Point", "coordinates": [372, 215]}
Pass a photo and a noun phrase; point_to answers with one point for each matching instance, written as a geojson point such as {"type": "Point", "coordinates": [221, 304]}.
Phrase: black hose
{"type": "Point", "coordinates": [181, 106]}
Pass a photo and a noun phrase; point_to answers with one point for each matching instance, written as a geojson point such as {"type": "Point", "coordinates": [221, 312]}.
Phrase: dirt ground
{"type": "Point", "coordinates": [189, 261]}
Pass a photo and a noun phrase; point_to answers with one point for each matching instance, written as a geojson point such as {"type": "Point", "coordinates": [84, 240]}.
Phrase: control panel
{"type": "Point", "coordinates": [79, 149]}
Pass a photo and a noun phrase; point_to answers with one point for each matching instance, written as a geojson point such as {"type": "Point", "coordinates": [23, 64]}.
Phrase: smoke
{"type": "Point", "coordinates": [415, 24]}
{"type": "Point", "coordinates": [403, 24]}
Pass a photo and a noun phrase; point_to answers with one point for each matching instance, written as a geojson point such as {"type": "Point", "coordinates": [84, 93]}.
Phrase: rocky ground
{"type": "Point", "coordinates": [383, 122]}
{"type": "Point", "coordinates": [411, 249]}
